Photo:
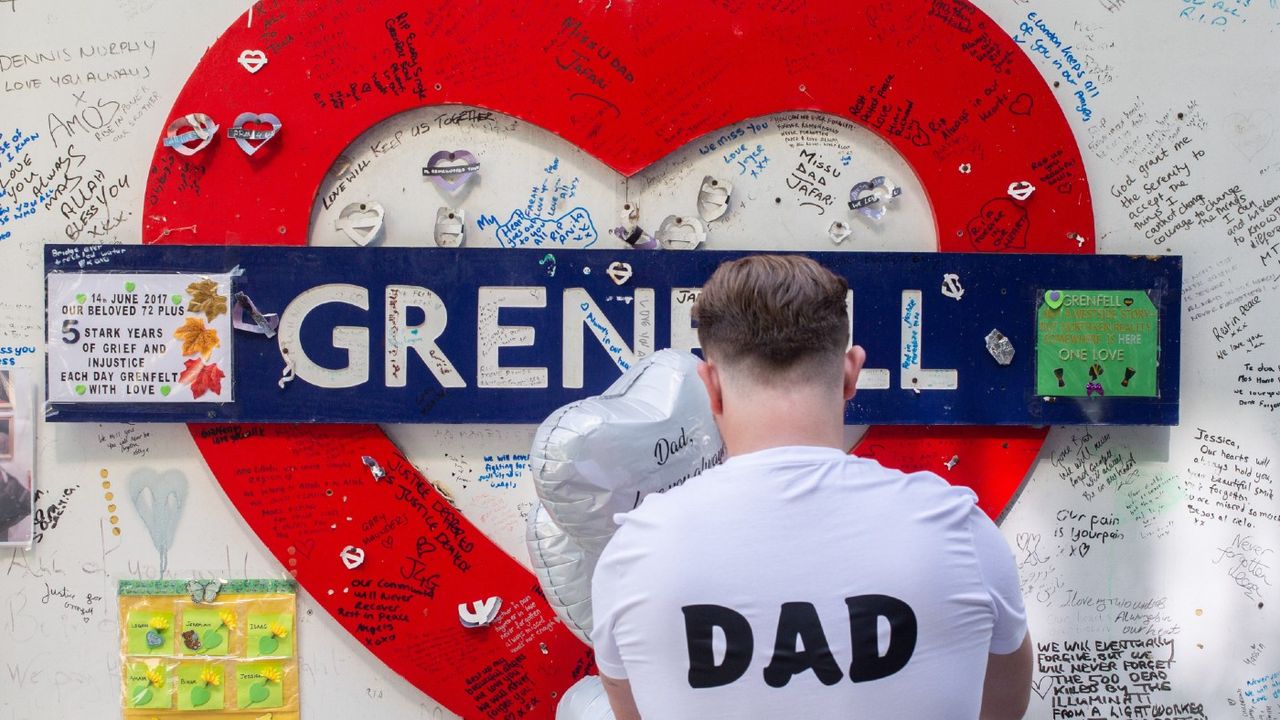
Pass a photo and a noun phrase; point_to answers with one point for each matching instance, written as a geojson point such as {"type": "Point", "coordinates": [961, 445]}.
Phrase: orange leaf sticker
{"type": "Point", "coordinates": [197, 338]}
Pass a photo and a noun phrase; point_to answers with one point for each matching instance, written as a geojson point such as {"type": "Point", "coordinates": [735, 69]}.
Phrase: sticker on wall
{"type": "Point", "coordinates": [1097, 343]}
{"type": "Point", "coordinates": [17, 457]}
{"type": "Point", "coordinates": [196, 126]}
{"type": "Point", "coordinates": [243, 135]}
{"type": "Point", "coordinates": [138, 338]}
{"type": "Point", "coordinates": [224, 657]}
{"type": "Point", "coordinates": [451, 169]}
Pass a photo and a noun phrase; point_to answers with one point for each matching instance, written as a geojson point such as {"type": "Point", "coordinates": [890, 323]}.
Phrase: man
{"type": "Point", "coordinates": [796, 581]}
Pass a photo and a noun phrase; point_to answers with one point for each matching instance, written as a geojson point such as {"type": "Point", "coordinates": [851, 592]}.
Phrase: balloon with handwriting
{"type": "Point", "coordinates": [650, 431]}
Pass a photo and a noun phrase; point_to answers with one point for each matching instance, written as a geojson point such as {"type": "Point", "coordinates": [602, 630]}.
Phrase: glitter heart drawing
{"type": "Point", "coordinates": [627, 128]}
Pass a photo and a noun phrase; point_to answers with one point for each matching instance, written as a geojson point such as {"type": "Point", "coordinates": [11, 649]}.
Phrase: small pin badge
{"type": "Point", "coordinates": [352, 557]}
{"type": "Point", "coordinates": [1021, 190]}
{"type": "Point", "coordinates": [252, 60]}
{"type": "Point", "coordinates": [619, 272]}
{"type": "Point", "coordinates": [243, 135]}
{"type": "Point", "coordinates": [198, 127]}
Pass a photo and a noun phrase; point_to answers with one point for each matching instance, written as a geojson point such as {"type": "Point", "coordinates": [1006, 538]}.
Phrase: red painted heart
{"type": "Point", "coordinates": [590, 75]}
{"type": "Point", "coordinates": [1001, 225]}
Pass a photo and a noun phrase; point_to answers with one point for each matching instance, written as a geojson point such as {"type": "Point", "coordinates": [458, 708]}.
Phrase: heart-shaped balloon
{"type": "Point", "coordinates": [183, 130]}
{"type": "Point", "coordinates": [648, 432]}
{"type": "Point", "coordinates": [628, 131]}
{"type": "Point", "coordinates": [564, 570]}
{"type": "Point", "coordinates": [244, 136]}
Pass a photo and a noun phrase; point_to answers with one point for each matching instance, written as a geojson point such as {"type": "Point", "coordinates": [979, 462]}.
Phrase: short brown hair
{"type": "Point", "coordinates": [772, 313]}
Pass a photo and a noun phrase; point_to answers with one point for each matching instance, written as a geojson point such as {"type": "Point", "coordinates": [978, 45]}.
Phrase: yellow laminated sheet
{"type": "Point", "coordinates": [205, 649]}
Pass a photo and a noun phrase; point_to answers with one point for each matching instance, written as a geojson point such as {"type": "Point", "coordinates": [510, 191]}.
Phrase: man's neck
{"type": "Point", "coordinates": [767, 418]}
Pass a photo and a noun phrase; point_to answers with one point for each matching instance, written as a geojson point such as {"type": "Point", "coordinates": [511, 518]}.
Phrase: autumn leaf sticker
{"type": "Point", "coordinates": [197, 339]}
{"type": "Point", "coordinates": [205, 299]}
{"type": "Point", "coordinates": [203, 378]}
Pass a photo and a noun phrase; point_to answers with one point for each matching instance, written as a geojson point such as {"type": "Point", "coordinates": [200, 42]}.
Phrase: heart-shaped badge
{"type": "Point", "coordinates": [872, 197]}
{"type": "Point", "coordinates": [352, 557]}
{"type": "Point", "coordinates": [252, 60]}
{"type": "Point", "coordinates": [1053, 298]}
{"type": "Point", "coordinates": [361, 222]}
{"type": "Point", "coordinates": [451, 169]}
{"type": "Point", "coordinates": [1128, 302]}
{"type": "Point", "coordinates": [713, 198]}
{"type": "Point", "coordinates": [196, 126]}
{"type": "Point", "coordinates": [243, 135]}
{"type": "Point", "coordinates": [619, 272]}
{"type": "Point", "coordinates": [1021, 190]}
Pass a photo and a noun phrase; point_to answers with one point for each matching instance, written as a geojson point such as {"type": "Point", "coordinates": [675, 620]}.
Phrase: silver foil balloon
{"type": "Point", "coordinates": [648, 432]}
{"type": "Point", "coordinates": [585, 700]}
{"type": "Point", "coordinates": [563, 570]}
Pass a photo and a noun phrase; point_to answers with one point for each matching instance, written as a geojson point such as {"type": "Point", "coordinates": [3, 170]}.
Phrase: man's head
{"type": "Point", "coordinates": [771, 324]}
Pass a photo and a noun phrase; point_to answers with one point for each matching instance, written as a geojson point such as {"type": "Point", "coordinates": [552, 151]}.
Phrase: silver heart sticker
{"type": "Point", "coordinates": [242, 136]}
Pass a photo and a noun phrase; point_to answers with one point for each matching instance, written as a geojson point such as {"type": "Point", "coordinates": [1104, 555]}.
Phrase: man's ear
{"type": "Point", "coordinates": [710, 375]}
{"type": "Point", "coordinates": [853, 360]}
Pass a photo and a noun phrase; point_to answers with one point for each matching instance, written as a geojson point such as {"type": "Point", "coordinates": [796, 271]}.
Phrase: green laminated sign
{"type": "Point", "coordinates": [1097, 343]}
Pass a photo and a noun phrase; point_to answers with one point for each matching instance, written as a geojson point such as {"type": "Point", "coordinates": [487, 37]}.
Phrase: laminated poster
{"type": "Point", "coordinates": [208, 649]}
{"type": "Point", "coordinates": [139, 338]}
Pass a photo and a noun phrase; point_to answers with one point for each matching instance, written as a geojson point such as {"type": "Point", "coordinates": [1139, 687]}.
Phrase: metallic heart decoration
{"type": "Point", "coordinates": [872, 197]}
{"type": "Point", "coordinates": [451, 169]}
{"type": "Point", "coordinates": [242, 135]}
{"type": "Point", "coordinates": [713, 198]}
{"type": "Point", "coordinates": [200, 127]}
{"type": "Point", "coordinates": [681, 233]}
{"type": "Point", "coordinates": [450, 227]}
{"type": "Point", "coordinates": [619, 272]}
{"type": "Point", "coordinates": [252, 60]}
{"type": "Point", "coordinates": [361, 222]}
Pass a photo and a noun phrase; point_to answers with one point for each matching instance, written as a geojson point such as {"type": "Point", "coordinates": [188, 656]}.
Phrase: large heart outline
{"type": "Point", "coordinates": [627, 131]}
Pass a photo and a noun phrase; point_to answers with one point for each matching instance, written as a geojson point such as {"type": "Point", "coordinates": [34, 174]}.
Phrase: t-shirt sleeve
{"type": "Point", "coordinates": [1000, 573]}
{"type": "Point", "coordinates": [604, 614]}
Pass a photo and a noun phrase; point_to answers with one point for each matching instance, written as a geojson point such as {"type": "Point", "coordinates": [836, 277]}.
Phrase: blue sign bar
{"type": "Point", "coordinates": [435, 335]}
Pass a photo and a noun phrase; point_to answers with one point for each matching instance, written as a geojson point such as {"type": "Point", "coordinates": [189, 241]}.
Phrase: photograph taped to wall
{"type": "Point", "coordinates": [17, 457]}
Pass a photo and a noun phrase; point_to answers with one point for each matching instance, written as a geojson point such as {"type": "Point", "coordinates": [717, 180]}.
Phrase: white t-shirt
{"type": "Point", "coordinates": [745, 592]}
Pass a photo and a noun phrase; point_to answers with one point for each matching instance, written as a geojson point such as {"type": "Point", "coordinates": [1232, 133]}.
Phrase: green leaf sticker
{"type": "Point", "coordinates": [81, 297]}
{"type": "Point", "coordinates": [258, 693]}
{"type": "Point", "coordinates": [271, 634]}
{"type": "Point", "coordinates": [129, 286]}
{"type": "Point", "coordinates": [165, 390]}
{"type": "Point", "coordinates": [80, 389]}
{"type": "Point", "coordinates": [142, 696]}
{"type": "Point", "coordinates": [260, 685]}
{"type": "Point", "coordinates": [209, 633]}
{"type": "Point", "coordinates": [1053, 298]}
{"type": "Point", "coordinates": [177, 299]}
{"type": "Point", "coordinates": [200, 686]}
